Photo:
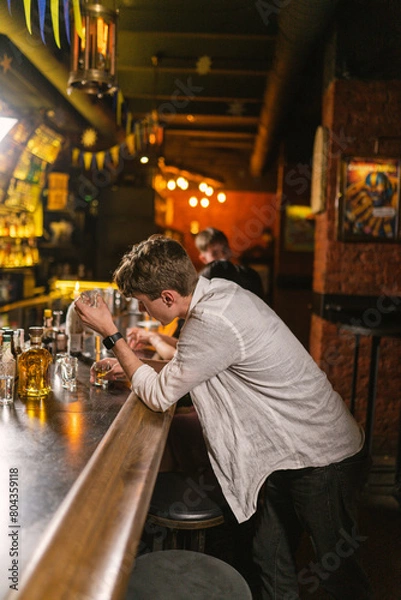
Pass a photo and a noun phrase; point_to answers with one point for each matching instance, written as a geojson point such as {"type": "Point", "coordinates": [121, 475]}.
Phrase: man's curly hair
{"type": "Point", "coordinates": [156, 264]}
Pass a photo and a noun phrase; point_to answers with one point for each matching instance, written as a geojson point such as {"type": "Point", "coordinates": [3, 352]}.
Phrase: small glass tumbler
{"type": "Point", "coordinates": [67, 370]}
{"type": "Point", "coordinates": [90, 297]}
{"type": "Point", "coordinates": [7, 381]}
{"type": "Point", "coordinates": [101, 369]}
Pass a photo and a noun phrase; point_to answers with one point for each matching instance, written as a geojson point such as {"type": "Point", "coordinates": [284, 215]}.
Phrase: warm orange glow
{"type": "Point", "coordinates": [194, 227]}
{"type": "Point", "coordinates": [83, 39]}
{"type": "Point", "coordinates": [74, 430]}
{"type": "Point", "coordinates": [102, 36]}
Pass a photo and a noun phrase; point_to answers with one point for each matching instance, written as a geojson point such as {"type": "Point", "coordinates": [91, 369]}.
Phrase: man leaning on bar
{"type": "Point", "coordinates": [281, 441]}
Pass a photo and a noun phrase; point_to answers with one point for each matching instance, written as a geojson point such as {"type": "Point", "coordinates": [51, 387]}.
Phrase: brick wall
{"type": "Point", "coordinates": [362, 117]}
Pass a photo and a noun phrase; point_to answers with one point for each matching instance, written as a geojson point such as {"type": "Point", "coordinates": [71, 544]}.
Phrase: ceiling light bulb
{"type": "Point", "coordinates": [221, 197]}
{"type": "Point", "coordinates": [209, 191]}
{"type": "Point", "coordinates": [202, 186]}
{"type": "Point", "coordinates": [194, 227]}
{"type": "Point", "coordinates": [171, 185]}
{"type": "Point", "coordinates": [144, 159]}
{"type": "Point", "coordinates": [182, 183]}
{"type": "Point", "coordinates": [193, 201]}
{"type": "Point", "coordinates": [204, 202]}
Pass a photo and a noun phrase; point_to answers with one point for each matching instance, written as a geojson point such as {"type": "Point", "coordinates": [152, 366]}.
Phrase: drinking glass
{"type": "Point", "coordinates": [101, 369]}
{"type": "Point", "coordinates": [7, 381]}
{"type": "Point", "coordinates": [90, 297]}
{"type": "Point", "coordinates": [67, 369]}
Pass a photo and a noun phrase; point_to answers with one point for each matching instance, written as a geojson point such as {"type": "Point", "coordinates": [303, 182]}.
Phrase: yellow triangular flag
{"type": "Point", "coordinates": [130, 141]}
{"type": "Point", "coordinates": [120, 100]}
{"type": "Point", "coordinates": [54, 9]}
{"type": "Point", "coordinates": [129, 123]}
{"type": "Point", "coordinates": [88, 160]}
{"type": "Point", "coordinates": [100, 156]}
{"type": "Point", "coordinates": [115, 155]}
{"type": "Point", "coordinates": [27, 8]}
{"type": "Point", "coordinates": [77, 18]}
{"type": "Point", "coordinates": [75, 156]}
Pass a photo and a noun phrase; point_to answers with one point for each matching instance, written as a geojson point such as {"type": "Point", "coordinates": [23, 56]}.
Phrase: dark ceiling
{"type": "Point", "coordinates": [264, 79]}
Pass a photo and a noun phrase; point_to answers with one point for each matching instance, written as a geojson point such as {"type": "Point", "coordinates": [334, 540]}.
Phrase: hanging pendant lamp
{"type": "Point", "coordinates": [93, 56]}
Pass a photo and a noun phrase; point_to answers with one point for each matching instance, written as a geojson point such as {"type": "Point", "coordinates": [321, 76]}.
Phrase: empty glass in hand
{"type": "Point", "coordinates": [90, 297]}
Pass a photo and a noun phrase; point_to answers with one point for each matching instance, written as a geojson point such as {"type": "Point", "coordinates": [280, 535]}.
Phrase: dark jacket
{"type": "Point", "coordinates": [246, 277]}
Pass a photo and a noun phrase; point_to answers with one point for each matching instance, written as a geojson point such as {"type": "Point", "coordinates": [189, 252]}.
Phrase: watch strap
{"type": "Point", "coordinates": [110, 340]}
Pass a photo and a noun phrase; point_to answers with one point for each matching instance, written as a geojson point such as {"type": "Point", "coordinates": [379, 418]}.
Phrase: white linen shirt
{"type": "Point", "coordinates": [262, 401]}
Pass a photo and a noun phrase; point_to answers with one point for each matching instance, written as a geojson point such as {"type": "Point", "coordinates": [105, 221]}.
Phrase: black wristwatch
{"type": "Point", "coordinates": [110, 340]}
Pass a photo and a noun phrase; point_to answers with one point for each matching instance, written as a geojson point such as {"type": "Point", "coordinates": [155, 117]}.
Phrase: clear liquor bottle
{"type": "Point", "coordinates": [48, 338]}
{"type": "Point", "coordinates": [34, 367]}
{"type": "Point", "coordinates": [74, 328]}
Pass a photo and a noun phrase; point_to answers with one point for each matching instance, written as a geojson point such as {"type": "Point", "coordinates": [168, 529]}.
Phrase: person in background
{"type": "Point", "coordinates": [216, 254]}
{"type": "Point", "coordinates": [270, 417]}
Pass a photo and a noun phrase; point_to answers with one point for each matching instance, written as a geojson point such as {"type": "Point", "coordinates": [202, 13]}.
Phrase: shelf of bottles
{"type": "Point", "coordinates": [17, 240]}
{"type": "Point", "coordinates": [24, 159]}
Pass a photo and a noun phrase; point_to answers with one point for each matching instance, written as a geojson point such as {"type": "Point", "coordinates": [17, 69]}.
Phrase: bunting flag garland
{"type": "Point", "coordinates": [55, 13]}
{"type": "Point", "coordinates": [146, 133]}
{"type": "Point", "coordinates": [54, 10]}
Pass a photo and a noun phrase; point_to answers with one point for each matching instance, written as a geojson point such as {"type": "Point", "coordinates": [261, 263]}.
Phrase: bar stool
{"type": "Point", "coordinates": [182, 574]}
{"type": "Point", "coordinates": [376, 333]}
{"type": "Point", "coordinates": [182, 508]}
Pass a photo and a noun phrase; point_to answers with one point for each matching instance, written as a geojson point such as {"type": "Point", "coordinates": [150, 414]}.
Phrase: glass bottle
{"type": "Point", "coordinates": [19, 344]}
{"type": "Point", "coordinates": [33, 366]}
{"type": "Point", "coordinates": [48, 337]}
{"type": "Point", "coordinates": [74, 328]}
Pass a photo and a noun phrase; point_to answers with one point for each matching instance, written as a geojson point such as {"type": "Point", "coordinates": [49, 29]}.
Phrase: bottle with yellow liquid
{"type": "Point", "coordinates": [33, 368]}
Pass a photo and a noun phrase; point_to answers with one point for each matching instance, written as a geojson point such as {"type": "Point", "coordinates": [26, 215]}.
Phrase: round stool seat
{"type": "Point", "coordinates": [183, 498]}
{"type": "Point", "coordinates": [184, 575]}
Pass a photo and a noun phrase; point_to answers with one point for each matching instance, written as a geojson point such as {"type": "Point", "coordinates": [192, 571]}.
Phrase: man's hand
{"type": "Point", "coordinates": [116, 373]}
{"type": "Point", "coordinates": [137, 337]}
{"type": "Point", "coordinates": [98, 318]}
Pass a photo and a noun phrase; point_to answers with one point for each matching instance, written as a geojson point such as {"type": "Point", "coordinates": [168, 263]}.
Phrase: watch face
{"type": "Point", "coordinates": [108, 343]}
{"type": "Point", "coordinates": [110, 340]}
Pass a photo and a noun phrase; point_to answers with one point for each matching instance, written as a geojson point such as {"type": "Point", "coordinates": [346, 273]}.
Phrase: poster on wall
{"type": "Point", "coordinates": [369, 200]}
{"type": "Point", "coordinates": [299, 229]}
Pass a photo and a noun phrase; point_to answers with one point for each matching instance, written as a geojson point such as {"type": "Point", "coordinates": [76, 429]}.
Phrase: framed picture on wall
{"type": "Point", "coordinates": [369, 201]}
{"type": "Point", "coordinates": [299, 229]}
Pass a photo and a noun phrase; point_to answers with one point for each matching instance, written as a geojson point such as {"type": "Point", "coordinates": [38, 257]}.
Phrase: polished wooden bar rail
{"type": "Point", "coordinates": [89, 547]}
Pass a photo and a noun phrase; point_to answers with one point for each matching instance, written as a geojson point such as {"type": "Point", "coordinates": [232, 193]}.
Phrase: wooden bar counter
{"type": "Point", "coordinates": [77, 472]}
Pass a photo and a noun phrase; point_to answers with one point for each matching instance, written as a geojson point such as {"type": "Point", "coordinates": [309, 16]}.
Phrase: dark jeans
{"type": "Point", "coordinates": [321, 501]}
